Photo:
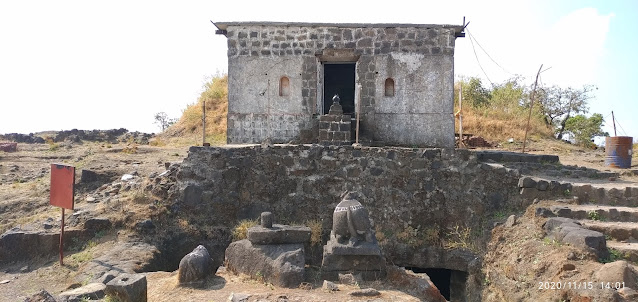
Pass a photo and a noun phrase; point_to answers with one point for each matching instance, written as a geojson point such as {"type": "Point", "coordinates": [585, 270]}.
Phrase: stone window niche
{"type": "Point", "coordinates": [284, 86]}
{"type": "Point", "coordinates": [389, 87]}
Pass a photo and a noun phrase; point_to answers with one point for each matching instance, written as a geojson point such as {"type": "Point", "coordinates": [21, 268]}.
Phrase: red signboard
{"type": "Point", "coordinates": [62, 186]}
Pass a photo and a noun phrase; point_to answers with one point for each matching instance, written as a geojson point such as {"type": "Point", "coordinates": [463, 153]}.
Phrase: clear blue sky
{"type": "Point", "coordinates": [112, 64]}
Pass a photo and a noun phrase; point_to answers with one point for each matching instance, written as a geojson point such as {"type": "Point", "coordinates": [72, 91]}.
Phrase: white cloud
{"type": "Point", "coordinates": [574, 47]}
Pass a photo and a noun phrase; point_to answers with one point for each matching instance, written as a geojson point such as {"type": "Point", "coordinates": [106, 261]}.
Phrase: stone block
{"type": "Point", "coordinates": [281, 264]}
{"type": "Point", "coordinates": [279, 234]}
{"type": "Point", "coordinates": [555, 222]}
{"type": "Point", "coordinates": [526, 182]}
{"type": "Point", "coordinates": [91, 291]}
{"type": "Point", "coordinates": [128, 288]}
{"type": "Point", "coordinates": [588, 240]}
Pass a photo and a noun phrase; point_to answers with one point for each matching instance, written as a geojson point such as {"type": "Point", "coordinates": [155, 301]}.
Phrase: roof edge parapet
{"type": "Point", "coordinates": [223, 26]}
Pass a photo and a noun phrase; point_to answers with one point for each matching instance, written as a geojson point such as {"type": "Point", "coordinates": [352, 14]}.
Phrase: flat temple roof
{"type": "Point", "coordinates": [225, 25]}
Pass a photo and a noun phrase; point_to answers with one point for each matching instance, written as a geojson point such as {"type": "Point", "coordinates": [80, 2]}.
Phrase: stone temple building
{"type": "Point", "coordinates": [283, 76]}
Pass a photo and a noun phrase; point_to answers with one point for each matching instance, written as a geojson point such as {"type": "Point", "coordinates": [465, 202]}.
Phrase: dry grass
{"type": "Point", "coordinates": [188, 129]}
{"type": "Point", "coordinates": [241, 230]}
{"type": "Point", "coordinates": [315, 231]}
{"type": "Point", "coordinates": [497, 125]}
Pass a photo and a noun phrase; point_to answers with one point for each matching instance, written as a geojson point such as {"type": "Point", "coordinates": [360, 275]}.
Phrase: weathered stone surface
{"type": "Point", "coordinates": [366, 292]}
{"type": "Point", "coordinates": [280, 264]}
{"type": "Point", "coordinates": [350, 279]}
{"type": "Point", "coordinates": [329, 286]}
{"type": "Point", "coordinates": [97, 224]}
{"type": "Point", "coordinates": [352, 247]}
{"type": "Point", "coordinates": [587, 239]}
{"type": "Point", "coordinates": [279, 234]}
{"type": "Point", "coordinates": [617, 272]}
{"type": "Point", "coordinates": [128, 287]}
{"type": "Point", "coordinates": [41, 296]}
{"type": "Point", "coordinates": [238, 297]}
{"type": "Point", "coordinates": [526, 182]}
{"type": "Point", "coordinates": [91, 291]}
{"type": "Point", "coordinates": [195, 266]}
{"type": "Point", "coordinates": [511, 221]}
{"type": "Point", "coordinates": [418, 285]}
{"type": "Point", "coordinates": [124, 257]}
{"type": "Point", "coordinates": [88, 176]}
{"type": "Point", "coordinates": [555, 222]}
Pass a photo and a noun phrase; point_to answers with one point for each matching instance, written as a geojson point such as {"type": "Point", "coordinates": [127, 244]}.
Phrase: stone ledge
{"type": "Point", "coordinates": [279, 234]}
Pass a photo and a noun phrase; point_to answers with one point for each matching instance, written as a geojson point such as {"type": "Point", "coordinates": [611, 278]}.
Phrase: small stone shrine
{"type": "Point", "coordinates": [335, 127]}
{"type": "Point", "coordinates": [352, 247]}
{"type": "Point", "coordinates": [273, 252]}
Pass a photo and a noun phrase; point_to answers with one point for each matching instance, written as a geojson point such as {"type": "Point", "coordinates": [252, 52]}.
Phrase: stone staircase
{"type": "Point", "coordinates": [608, 208]}
{"type": "Point", "coordinates": [619, 224]}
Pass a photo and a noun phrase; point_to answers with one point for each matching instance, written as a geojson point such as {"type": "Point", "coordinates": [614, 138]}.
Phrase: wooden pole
{"type": "Point", "coordinates": [461, 112]}
{"type": "Point", "coordinates": [62, 240]}
{"type": "Point", "coordinates": [358, 98]}
{"type": "Point", "coordinates": [614, 120]}
{"type": "Point", "coordinates": [530, 106]}
{"type": "Point", "coordinates": [203, 122]}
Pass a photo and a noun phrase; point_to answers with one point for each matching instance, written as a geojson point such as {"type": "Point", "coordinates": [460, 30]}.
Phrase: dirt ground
{"type": "Point", "coordinates": [24, 185]}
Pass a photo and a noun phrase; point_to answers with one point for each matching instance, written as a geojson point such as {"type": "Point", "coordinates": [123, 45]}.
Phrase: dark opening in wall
{"type": "Point", "coordinates": [284, 86]}
{"type": "Point", "coordinates": [389, 87]}
{"type": "Point", "coordinates": [451, 283]}
{"type": "Point", "coordinates": [339, 79]}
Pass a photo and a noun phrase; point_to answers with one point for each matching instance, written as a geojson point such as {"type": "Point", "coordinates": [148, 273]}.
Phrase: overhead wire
{"type": "Point", "coordinates": [478, 61]}
{"type": "Point", "coordinates": [472, 37]}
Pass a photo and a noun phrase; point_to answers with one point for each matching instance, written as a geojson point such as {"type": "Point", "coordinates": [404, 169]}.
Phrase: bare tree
{"type": "Point", "coordinates": [559, 104]}
{"type": "Point", "coordinates": [163, 121]}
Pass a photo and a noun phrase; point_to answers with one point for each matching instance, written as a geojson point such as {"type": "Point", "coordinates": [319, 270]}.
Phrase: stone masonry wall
{"type": "Point", "coordinates": [421, 192]}
{"type": "Point", "coordinates": [420, 58]}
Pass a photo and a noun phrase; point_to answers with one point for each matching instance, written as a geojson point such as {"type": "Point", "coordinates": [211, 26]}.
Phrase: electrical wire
{"type": "Point", "coordinates": [472, 37]}
{"type": "Point", "coordinates": [479, 63]}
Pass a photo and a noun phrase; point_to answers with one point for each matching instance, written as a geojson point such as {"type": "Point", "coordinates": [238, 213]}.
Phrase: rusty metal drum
{"type": "Point", "coordinates": [618, 151]}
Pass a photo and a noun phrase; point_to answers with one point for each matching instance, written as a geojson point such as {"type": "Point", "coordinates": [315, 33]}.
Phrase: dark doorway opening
{"type": "Point", "coordinates": [451, 283]}
{"type": "Point", "coordinates": [339, 79]}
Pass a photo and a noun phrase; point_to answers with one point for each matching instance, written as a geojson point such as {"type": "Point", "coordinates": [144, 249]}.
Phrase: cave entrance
{"type": "Point", "coordinates": [451, 283]}
{"type": "Point", "coordinates": [339, 78]}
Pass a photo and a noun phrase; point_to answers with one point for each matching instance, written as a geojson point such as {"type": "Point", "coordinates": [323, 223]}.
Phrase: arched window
{"type": "Point", "coordinates": [389, 87]}
{"type": "Point", "coordinates": [284, 86]}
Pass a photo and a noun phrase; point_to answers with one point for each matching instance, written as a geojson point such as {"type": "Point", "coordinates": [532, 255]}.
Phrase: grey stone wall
{"type": "Point", "coordinates": [420, 191]}
{"type": "Point", "coordinates": [418, 58]}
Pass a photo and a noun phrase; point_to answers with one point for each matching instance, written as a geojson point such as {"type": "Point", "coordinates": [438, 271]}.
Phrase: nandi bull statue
{"type": "Point", "coordinates": [352, 247]}
{"type": "Point", "coordinates": [351, 222]}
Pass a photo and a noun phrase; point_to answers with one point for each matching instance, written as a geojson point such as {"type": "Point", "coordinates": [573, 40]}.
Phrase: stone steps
{"type": "Point", "coordinates": [596, 212]}
{"type": "Point", "coordinates": [627, 250]}
{"type": "Point", "coordinates": [620, 231]}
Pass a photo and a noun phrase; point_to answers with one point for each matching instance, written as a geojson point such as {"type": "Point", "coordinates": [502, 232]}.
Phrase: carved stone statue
{"type": "Point", "coordinates": [351, 222]}
{"type": "Point", "coordinates": [352, 247]}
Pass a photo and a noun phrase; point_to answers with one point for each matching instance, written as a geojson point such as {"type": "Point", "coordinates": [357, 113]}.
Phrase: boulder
{"type": "Point", "coordinates": [617, 272]}
{"type": "Point", "coordinates": [195, 266]}
{"type": "Point", "coordinates": [418, 285]}
{"type": "Point", "coordinates": [41, 296]}
{"type": "Point", "coordinates": [511, 221]}
{"type": "Point", "coordinates": [366, 292]}
{"type": "Point", "coordinates": [329, 286]}
{"type": "Point", "coordinates": [91, 291]}
{"type": "Point", "coordinates": [281, 264]}
{"type": "Point", "coordinates": [128, 288]}
{"type": "Point", "coordinates": [554, 222]}
{"type": "Point", "coordinates": [586, 239]}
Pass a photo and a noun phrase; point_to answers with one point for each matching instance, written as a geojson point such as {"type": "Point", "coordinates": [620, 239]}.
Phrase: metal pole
{"type": "Point", "coordinates": [62, 240]}
{"type": "Point", "coordinates": [358, 98]}
{"type": "Point", "coordinates": [614, 120]}
{"type": "Point", "coordinates": [530, 106]}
